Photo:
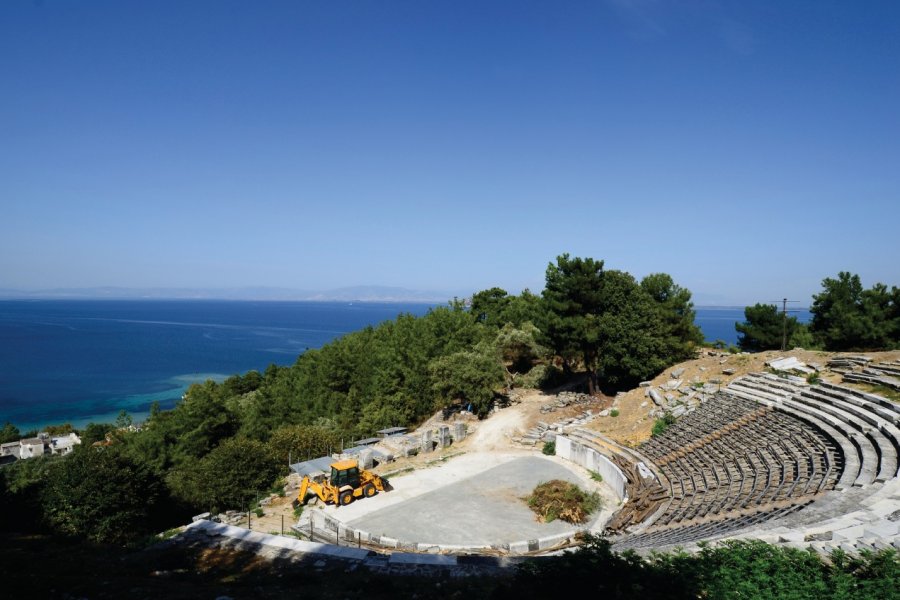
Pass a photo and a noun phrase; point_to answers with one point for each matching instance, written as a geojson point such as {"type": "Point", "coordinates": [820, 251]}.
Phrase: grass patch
{"type": "Point", "coordinates": [614, 412]}
{"type": "Point", "coordinates": [557, 499]}
{"type": "Point", "coordinates": [169, 533]}
{"type": "Point", "coordinates": [549, 448]}
{"type": "Point", "coordinates": [660, 425]}
{"type": "Point", "coordinates": [596, 476]}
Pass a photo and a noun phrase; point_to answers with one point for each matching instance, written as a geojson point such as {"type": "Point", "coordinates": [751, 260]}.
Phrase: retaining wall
{"type": "Point", "coordinates": [326, 528]}
{"type": "Point", "coordinates": [592, 460]}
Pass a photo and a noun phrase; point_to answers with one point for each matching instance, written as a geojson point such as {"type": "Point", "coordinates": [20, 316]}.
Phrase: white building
{"type": "Point", "coordinates": [38, 446]}
{"type": "Point", "coordinates": [64, 444]}
{"type": "Point", "coordinates": [31, 448]}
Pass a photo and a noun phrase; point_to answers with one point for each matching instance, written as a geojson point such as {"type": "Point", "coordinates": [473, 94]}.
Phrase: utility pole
{"type": "Point", "coordinates": [784, 324]}
{"type": "Point", "coordinates": [784, 303]}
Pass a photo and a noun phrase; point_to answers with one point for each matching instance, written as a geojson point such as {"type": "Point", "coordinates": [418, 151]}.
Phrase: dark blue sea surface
{"type": "Point", "coordinates": [717, 322]}
{"type": "Point", "coordinates": [85, 360]}
{"type": "Point", "coordinates": [82, 360]}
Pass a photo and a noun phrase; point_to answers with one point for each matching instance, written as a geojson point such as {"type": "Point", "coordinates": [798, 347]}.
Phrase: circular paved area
{"type": "Point", "coordinates": [483, 509]}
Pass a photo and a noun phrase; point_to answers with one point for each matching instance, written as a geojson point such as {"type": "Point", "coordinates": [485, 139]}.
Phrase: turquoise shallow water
{"type": "Point", "coordinates": [77, 361]}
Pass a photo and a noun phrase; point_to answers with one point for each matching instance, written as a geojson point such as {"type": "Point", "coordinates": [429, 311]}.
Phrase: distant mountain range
{"type": "Point", "coordinates": [364, 293]}
{"type": "Point", "coordinates": [359, 293]}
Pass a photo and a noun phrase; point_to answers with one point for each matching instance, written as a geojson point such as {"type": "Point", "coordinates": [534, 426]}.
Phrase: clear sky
{"type": "Point", "coordinates": [749, 149]}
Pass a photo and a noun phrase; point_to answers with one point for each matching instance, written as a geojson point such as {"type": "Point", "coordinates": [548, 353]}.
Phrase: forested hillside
{"type": "Point", "coordinates": [225, 441]}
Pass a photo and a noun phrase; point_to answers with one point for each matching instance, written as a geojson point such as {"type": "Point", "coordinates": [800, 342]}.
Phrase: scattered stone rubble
{"type": "Point", "coordinates": [546, 432]}
{"type": "Point", "coordinates": [860, 369]}
{"type": "Point", "coordinates": [679, 399]}
{"type": "Point", "coordinates": [564, 399]}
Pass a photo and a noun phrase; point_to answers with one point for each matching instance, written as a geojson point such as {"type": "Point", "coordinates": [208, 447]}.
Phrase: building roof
{"type": "Point", "coordinates": [32, 442]}
{"type": "Point", "coordinates": [391, 431]}
{"type": "Point", "coordinates": [9, 444]}
{"type": "Point", "coordinates": [366, 442]}
{"type": "Point", "coordinates": [314, 466]}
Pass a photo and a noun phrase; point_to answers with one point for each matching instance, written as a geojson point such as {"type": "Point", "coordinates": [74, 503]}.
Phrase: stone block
{"type": "Point", "coordinates": [459, 431]}
{"type": "Point", "coordinates": [792, 536]}
{"type": "Point", "coordinates": [882, 529]}
{"type": "Point", "coordinates": [427, 443]}
{"type": "Point", "coordinates": [674, 384]}
{"type": "Point", "coordinates": [849, 533]}
{"type": "Point", "coordinates": [444, 439]}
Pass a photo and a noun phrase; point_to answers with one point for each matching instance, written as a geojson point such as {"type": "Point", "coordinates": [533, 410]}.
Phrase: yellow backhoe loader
{"type": "Point", "coordinates": [347, 482]}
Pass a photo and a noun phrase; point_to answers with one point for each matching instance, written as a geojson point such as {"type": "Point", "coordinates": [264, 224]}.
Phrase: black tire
{"type": "Point", "coordinates": [346, 498]}
{"type": "Point", "coordinates": [369, 490]}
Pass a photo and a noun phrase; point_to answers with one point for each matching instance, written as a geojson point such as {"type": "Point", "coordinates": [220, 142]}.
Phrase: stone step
{"type": "Point", "coordinates": [886, 459]}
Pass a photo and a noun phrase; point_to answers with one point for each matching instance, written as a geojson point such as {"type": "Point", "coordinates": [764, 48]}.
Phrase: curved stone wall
{"type": "Point", "coordinates": [592, 460]}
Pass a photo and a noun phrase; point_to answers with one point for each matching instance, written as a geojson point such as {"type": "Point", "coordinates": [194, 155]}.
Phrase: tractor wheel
{"type": "Point", "coordinates": [369, 490]}
{"type": "Point", "coordinates": [346, 498]}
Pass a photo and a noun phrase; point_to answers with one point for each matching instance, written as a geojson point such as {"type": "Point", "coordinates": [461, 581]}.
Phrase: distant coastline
{"type": "Point", "coordinates": [375, 294]}
{"type": "Point", "coordinates": [79, 360]}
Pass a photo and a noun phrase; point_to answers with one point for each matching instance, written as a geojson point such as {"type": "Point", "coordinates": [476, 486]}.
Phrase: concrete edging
{"type": "Point", "coordinates": [325, 525]}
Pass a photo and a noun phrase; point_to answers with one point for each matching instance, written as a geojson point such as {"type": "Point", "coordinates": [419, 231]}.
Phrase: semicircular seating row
{"type": "Point", "coordinates": [762, 449]}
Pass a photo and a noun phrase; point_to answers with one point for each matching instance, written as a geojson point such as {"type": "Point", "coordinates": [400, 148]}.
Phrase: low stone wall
{"type": "Point", "coordinates": [592, 460]}
{"type": "Point", "coordinates": [325, 528]}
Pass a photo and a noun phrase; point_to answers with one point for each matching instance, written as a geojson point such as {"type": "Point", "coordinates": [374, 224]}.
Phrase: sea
{"type": "Point", "coordinates": [77, 361]}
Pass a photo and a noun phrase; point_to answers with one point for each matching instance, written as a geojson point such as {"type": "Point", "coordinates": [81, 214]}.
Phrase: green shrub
{"type": "Point", "coordinates": [549, 448]}
{"type": "Point", "coordinates": [661, 424]}
{"type": "Point", "coordinates": [614, 412]}
{"type": "Point", "coordinates": [559, 499]}
{"type": "Point", "coordinates": [596, 476]}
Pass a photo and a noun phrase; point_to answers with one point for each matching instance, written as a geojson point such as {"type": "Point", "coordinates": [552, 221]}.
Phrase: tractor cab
{"type": "Point", "coordinates": [345, 472]}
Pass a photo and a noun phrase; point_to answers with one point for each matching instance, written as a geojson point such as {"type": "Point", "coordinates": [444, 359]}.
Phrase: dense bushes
{"type": "Point", "coordinates": [228, 477]}
{"type": "Point", "coordinates": [102, 495]}
{"type": "Point", "coordinates": [733, 570]}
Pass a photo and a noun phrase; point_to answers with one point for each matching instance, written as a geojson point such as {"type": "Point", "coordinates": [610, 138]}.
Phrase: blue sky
{"type": "Point", "coordinates": [749, 149]}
